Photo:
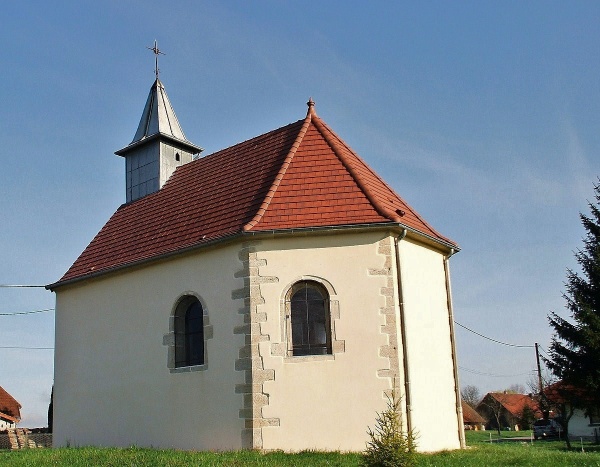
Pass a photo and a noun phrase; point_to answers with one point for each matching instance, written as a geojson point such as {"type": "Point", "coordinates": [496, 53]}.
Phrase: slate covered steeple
{"type": "Point", "coordinates": [158, 147]}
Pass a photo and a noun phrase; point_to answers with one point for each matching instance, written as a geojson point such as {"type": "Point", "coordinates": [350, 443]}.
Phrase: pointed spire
{"type": "Point", "coordinates": [159, 119]}
{"type": "Point", "coordinates": [158, 116]}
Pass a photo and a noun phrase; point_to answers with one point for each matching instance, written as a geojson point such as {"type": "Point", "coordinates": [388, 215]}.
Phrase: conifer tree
{"type": "Point", "coordinates": [390, 444]}
{"type": "Point", "coordinates": [575, 349]}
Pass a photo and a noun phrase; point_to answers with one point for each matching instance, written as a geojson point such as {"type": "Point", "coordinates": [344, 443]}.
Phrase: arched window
{"type": "Point", "coordinates": [189, 333]}
{"type": "Point", "coordinates": [309, 318]}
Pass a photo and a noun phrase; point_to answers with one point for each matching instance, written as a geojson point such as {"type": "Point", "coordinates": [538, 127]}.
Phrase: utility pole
{"type": "Point", "coordinates": [537, 356]}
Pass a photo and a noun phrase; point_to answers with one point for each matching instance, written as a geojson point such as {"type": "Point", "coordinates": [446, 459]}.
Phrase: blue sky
{"type": "Point", "coordinates": [483, 116]}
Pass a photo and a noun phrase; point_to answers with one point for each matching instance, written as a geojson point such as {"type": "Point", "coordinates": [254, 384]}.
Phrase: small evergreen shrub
{"type": "Point", "coordinates": [390, 445]}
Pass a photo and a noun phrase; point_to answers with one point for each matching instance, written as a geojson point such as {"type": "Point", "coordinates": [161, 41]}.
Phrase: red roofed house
{"type": "Point", "coordinates": [251, 299]}
{"type": "Point", "coordinates": [10, 410]}
{"type": "Point", "coordinates": [508, 409]}
{"type": "Point", "coordinates": [583, 423]}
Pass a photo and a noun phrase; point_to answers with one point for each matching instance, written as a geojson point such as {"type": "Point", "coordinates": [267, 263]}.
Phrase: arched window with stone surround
{"type": "Point", "coordinates": [309, 319]}
{"type": "Point", "coordinates": [189, 332]}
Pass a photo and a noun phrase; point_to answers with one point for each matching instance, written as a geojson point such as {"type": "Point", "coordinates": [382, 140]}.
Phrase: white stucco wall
{"type": "Point", "coordinates": [326, 403]}
{"type": "Point", "coordinates": [579, 425]}
{"type": "Point", "coordinates": [113, 387]}
{"type": "Point", "coordinates": [112, 384]}
{"type": "Point", "coordinates": [429, 350]}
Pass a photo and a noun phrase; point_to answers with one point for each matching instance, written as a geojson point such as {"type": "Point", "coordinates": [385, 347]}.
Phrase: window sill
{"type": "Point", "coordinates": [188, 369]}
{"type": "Point", "coordinates": [308, 358]}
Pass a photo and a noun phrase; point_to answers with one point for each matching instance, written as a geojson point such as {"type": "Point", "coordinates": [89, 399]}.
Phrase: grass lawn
{"type": "Point", "coordinates": [77, 457]}
{"type": "Point", "coordinates": [480, 453]}
{"type": "Point", "coordinates": [478, 437]}
{"type": "Point", "coordinates": [514, 453]}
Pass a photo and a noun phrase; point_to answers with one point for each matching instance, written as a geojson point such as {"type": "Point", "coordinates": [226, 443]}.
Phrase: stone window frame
{"type": "Point", "coordinates": [284, 347]}
{"type": "Point", "coordinates": [169, 338]}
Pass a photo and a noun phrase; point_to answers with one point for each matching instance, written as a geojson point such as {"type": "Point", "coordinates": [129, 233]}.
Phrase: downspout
{"type": "Point", "coordinates": [459, 414]}
{"type": "Point", "coordinates": [402, 323]}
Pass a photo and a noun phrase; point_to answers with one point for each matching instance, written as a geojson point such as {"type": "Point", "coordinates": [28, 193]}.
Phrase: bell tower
{"type": "Point", "coordinates": [158, 147]}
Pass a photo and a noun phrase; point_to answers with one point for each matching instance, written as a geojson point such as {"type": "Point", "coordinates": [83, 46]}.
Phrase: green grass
{"type": "Point", "coordinates": [511, 454]}
{"type": "Point", "coordinates": [478, 437]}
{"type": "Point", "coordinates": [480, 453]}
{"type": "Point", "coordinates": [158, 457]}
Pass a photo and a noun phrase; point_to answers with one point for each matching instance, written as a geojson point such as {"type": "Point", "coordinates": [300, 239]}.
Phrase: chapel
{"type": "Point", "coordinates": [268, 296]}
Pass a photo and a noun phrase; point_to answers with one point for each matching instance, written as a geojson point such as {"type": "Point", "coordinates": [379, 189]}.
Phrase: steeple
{"type": "Point", "coordinates": [158, 147]}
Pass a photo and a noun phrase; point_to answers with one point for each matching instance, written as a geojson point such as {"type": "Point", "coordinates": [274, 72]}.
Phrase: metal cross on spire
{"type": "Point", "coordinates": [157, 52]}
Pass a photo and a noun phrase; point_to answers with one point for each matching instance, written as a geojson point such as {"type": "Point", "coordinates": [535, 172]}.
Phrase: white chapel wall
{"type": "Point", "coordinates": [112, 384]}
{"type": "Point", "coordinates": [113, 387]}
{"type": "Point", "coordinates": [322, 402]}
{"type": "Point", "coordinates": [429, 347]}
{"type": "Point", "coordinates": [328, 403]}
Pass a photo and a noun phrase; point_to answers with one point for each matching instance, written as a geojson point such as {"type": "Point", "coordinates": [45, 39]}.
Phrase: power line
{"type": "Point", "coordinates": [481, 373]}
{"type": "Point", "coordinates": [25, 348]}
{"type": "Point", "coordinates": [493, 340]}
{"type": "Point", "coordinates": [6, 286]}
{"type": "Point", "coordinates": [543, 350]}
{"type": "Point", "coordinates": [27, 312]}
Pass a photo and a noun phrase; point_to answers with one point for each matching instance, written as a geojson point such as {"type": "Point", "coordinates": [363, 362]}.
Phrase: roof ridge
{"type": "Point", "coordinates": [286, 162]}
{"type": "Point", "coordinates": [335, 146]}
{"type": "Point", "coordinates": [189, 165]}
{"type": "Point", "coordinates": [244, 141]}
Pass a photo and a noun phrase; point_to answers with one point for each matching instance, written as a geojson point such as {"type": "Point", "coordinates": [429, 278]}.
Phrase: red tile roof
{"type": "Point", "coordinates": [470, 415]}
{"type": "Point", "coordinates": [298, 176]}
{"type": "Point", "coordinates": [559, 393]}
{"type": "Point", "coordinates": [515, 403]}
{"type": "Point", "coordinates": [10, 409]}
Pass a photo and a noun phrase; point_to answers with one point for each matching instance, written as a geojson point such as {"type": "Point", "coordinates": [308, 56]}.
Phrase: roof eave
{"type": "Point", "coordinates": [222, 239]}
{"type": "Point", "coordinates": [163, 136]}
{"type": "Point", "coordinates": [451, 248]}
{"type": "Point", "coordinates": [10, 418]}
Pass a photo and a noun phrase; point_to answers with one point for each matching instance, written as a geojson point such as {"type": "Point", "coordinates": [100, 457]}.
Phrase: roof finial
{"type": "Point", "coordinates": [157, 52]}
{"type": "Point", "coordinates": [311, 105]}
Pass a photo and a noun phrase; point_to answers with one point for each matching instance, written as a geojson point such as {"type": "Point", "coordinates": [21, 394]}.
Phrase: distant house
{"type": "Point", "coordinates": [471, 419]}
{"type": "Point", "coordinates": [10, 410]}
{"type": "Point", "coordinates": [583, 423]}
{"type": "Point", "coordinates": [507, 410]}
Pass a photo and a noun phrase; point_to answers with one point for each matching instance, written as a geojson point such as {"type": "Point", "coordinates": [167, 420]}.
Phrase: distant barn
{"type": "Point", "coordinates": [471, 419]}
{"type": "Point", "coordinates": [10, 410]}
